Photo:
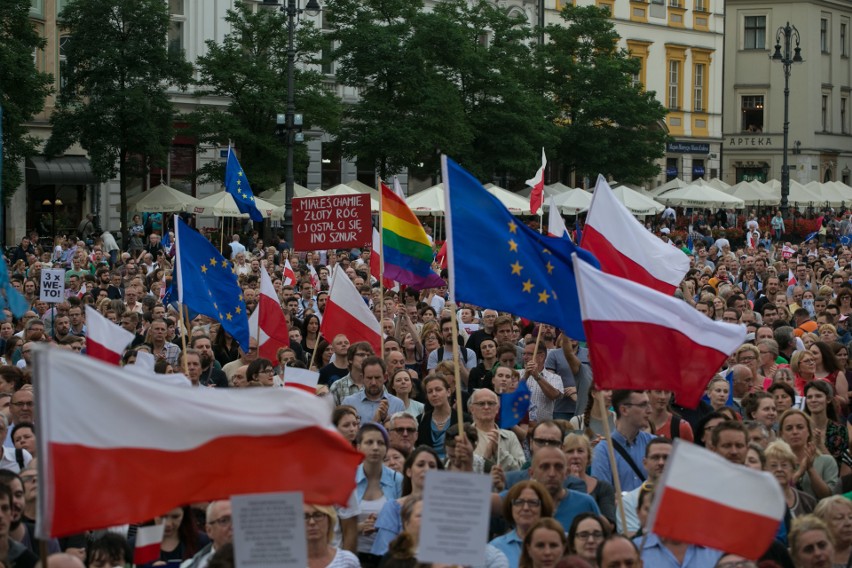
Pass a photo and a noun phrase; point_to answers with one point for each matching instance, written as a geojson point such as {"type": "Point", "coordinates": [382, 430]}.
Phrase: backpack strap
{"type": "Point", "coordinates": [675, 427]}
{"type": "Point", "coordinates": [19, 457]}
{"type": "Point", "coordinates": [623, 453]}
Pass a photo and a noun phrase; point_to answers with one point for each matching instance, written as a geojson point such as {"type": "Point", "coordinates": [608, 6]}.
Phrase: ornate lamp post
{"type": "Point", "coordinates": [788, 53]}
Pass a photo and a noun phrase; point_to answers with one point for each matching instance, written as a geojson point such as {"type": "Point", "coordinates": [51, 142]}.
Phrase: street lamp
{"type": "Point", "coordinates": [787, 56]}
{"type": "Point", "coordinates": [312, 8]}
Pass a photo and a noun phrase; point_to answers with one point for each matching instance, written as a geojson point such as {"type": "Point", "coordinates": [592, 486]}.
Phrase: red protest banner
{"type": "Point", "coordinates": [332, 221]}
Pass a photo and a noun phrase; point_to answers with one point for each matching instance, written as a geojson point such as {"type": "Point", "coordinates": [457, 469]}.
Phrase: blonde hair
{"type": "Point", "coordinates": [804, 524]}
{"type": "Point", "coordinates": [780, 450]}
{"type": "Point", "coordinates": [332, 518]}
{"type": "Point", "coordinates": [824, 507]}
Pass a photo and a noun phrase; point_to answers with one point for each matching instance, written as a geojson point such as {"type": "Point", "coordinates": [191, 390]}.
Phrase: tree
{"type": "Point", "coordinates": [610, 126]}
{"type": "Point", "coordinates": [249, 69]}
{"type": "Point", "coordinates": [23, 89]}
{"type": "Point", "coordinates": [114, 101]}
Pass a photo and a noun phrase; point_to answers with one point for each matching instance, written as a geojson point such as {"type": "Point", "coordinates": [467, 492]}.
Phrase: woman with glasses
{"type": "Point", "coordinates": [524, 505]}
{"type": "Point", "coordinates": [578, 451]}
{"type": "Point", "coordinates": [803, 364]}
{"type": "Point", "coordinates": [319, 532]}
{"type": "Point", "coordinates": [768, 353]}
{"type": "Point", "coordinates": [260, 372]}
{"type": "Point", "coordinates": [375, 485]}
{"type": "Point", "coordinates": [587, 532]}
{"type": "Point", "coordinates": [811, 543]}
{"type": "Point", "coordinates": [836, 513]}
{"type": "Point", "coordinates": [781, 462]}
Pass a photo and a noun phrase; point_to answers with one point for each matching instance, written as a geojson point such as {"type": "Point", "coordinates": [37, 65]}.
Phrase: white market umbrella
{"type": "Point", "coordinates": [430, 201]}
{"type": "Point", "coordinates": [844, 190]}
{"type": "Point", "coordinates": [675, 183]}
{"type": "Point", "coordinates": [160, 199]}
{"type": "Point", "coordinates": [343, 189]}
{"type": "Point", "coordinates": [516, 204]}
{"type": "Point", "coordinates": [702, 195]}
{"type": "Point", "coordinates": [222, 204]}
{"type": "Point", "coordinates": [754, 193]}
{"type": "Point", "coordinates": [574, 201]}
{"type": "Point", "coordinates": [801, 195]}
{"type": "Point", "coordinates": [637, 203]}
{"type": "Point", "coordinates": [553, 189]}
{"type": "Point", "coordinates": [277, 196]}
{"type": "Point", "coordinates": [715, 183]}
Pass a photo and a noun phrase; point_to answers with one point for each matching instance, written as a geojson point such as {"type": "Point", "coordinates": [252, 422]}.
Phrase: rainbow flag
{"type": "Point", "coordinates": [406, 249]}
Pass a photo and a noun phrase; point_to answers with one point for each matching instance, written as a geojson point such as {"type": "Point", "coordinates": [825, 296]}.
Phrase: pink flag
{"type": "Point", "coordinates": [267, 319]}
{"type": "Point", "coordinates": [302, 379]}
{"type": "Point", "coordinates": [289, 274]}
{"type": "Point", "coordinates": [555, 223]}
{"type": "Point", "coordinates": [642, 339]}
{"type": "Point", "coordinates": [105, 340]}
{"type": "Point", "coordinates": [121, 424]}
{"type": "Point", "coordinates": [347, 313]}
{"type": "Point", "coordinates": [704, 499]}
{"type": "Point", "coordinates": [625, 248]}
{"type": "Point", "coordinates": [148, 541]}
{"type": "Point", "coordinates": [537, 183]}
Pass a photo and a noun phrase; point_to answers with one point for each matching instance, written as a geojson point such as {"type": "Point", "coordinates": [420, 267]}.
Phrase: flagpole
{"type": "Point", "coordinates": [537, 342]}
{"type": "Point", "coordinates": [459, 409]}
{"type": "Point", "coordinates": [381, 272]}
{"type": "Point", "coordinates": [313, 355]}
{"type": "Point", "coordinates": [612, 463]}
{"type": "Point", "coordinates": [183, 324]}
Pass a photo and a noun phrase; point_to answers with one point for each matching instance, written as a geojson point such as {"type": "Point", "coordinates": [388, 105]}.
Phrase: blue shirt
{"type": "Point", "coordinates": [511, 545]}
{"type": "Point", "coordinates": [391, 483]}
{"type": "Point", "coordinates": [367, 408]}
{"type": "Point", "coordinates": [656, 555]}
{"type": "Point", "coordinates": [572, 505]}
{"type": "Point", "coordinates": [629, 480]}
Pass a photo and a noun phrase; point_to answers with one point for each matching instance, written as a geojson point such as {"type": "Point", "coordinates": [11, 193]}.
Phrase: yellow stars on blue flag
{"type": "Point", "coordinates": [517, 269]}
{"type": "Point", "coordinates": [514, 406]}
{"type": "Point", "coordinates": [237, 184]}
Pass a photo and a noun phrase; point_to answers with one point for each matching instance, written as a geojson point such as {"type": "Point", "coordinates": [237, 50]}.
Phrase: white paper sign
{"type": "Point", "coordinates": [454, 525]}
{"type": "Point", "coordinates": [52, 285]}
{"type": "Point", "coordinates": [269, 530]}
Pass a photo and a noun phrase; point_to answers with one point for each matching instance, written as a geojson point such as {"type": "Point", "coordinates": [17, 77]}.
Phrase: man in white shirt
{"type": "Point", "coordinates": [236, 246]}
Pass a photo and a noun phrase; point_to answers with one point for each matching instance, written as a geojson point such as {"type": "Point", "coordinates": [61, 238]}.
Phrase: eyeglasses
{"type": "Point", "coordinates": [531, 503]}
{"type": "Point", "coordinates": [221, 521]}
{"type": "Point", "coordinates": [24, 404]}
{"type": "Point", "coordinates": [486, 403]}
{"type": "Point", "coordinates": [404, 430]}
{"type": "Point", "coordinates": [586, 535]}
{"type": "Point", "coordinates": [748, 359]}
{"type": "Point", "coordinates": [546, 442]}
{"type": "Point", "coordinates": [315, 517]}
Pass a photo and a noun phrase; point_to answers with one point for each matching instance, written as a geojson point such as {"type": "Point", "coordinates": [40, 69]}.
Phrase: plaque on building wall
{"type": "Point", "coordinates": [688, 148]}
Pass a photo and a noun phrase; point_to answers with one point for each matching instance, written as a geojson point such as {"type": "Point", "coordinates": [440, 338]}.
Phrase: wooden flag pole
{"type": "Point", "coordinates": [616, 481]}
{"type": "Point", "coordinates": [184, 311]}
{"type": "Point", "coordinates": [459, 404]}
{"type": "Point", "coordinates": [381, 275]}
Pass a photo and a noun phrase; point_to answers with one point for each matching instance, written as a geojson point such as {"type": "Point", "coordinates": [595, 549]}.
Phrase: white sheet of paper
{"type": "Point", "coordinates": [454, 525]}
{"type": "Point", "coordinates": [269, 530]}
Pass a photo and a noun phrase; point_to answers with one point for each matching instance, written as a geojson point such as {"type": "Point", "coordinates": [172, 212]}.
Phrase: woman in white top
{"type": "Point", "coordinates": [319, 531]}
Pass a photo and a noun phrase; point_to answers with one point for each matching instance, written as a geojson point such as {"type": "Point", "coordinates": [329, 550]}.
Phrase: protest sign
{"type": "Point", "coordinates": [52, 285]}
{"type": "Point", "coordinates": [331, 221]}
{"type": "Point", "coordinates": [454, 525]}
{"type": "Point", "coordinates": [269, 530]}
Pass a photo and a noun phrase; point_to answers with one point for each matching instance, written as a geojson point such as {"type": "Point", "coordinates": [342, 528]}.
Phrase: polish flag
{"type": "Point", "coordinates": [148, 541]}
{"type": "Point", "coordinates": [555, 223]}
{"type": "Point", "coordinates": [625, 248]}
{"type": "Point", "coordinates": [645, 340]}
{"type": "Point", "coordinates": [105, 340]}
{"type": "Point", "coordinates": [301, 379]}
{"type": "Point", "coordinates": [787, 252]}
{"type": "Point", "coordinates": [154, 440]}
{"type": "Point", "coordinates": [267, 320]}
{"type": "Point", "coordinates": [289, 274]}
{"type": "Point", "coordinates": [346, 313]}
{"type": "Point", "coordinates": [315, 283]}
{"type": "Point", "coordinates": [537, 183]}
{"type": "Point", "coordinates": [791, 278]}
{"type": "Point", "coordinates": [163, 287]}
{"type": "Point", "coordinates": [706, 500]}
{"type": "Point", "coordinates": [397, 188]}
{"type": "Point", "coordinates": [82, 291]}
{"type": "Point", "coordinates": [376, 261]}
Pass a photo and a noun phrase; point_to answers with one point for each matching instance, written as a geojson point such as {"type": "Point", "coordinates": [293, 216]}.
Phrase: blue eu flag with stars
{"type": "Point", "coordinates": [514, 406]}
{"type": "Point", "coordinates": [207, 283]}
{"type": "Point", "coordinates": [497, 262]}
{"type": "Point", "coordinates": [237, 184]}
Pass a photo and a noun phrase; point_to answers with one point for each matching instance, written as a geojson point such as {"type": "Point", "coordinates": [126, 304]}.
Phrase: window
{"type": "Point", "coordinates": [844, 50]}
{"type": "Point", "coordinates": [843, 128]}
{"type": "Point", "coordinates": [176, 26]}
{"type": "Point", "coordinates": [674, 85]}
{"type": "Point", "coordinates": [823, 35]}
{"type": "Point", "coordinates": [331, 164]}
{"type": "Point", "coordinates": [176, 7]}
{"type": "Point", "coordinates": [327, 64]}
{"type": "Point", "coordinates": [752, 112]}
{"type": "Point", "coordinates": [37, 8]}
{"type": "Point", "coordinates": [697, 168]}
{"type": "Point", "coordinates": [674, 3]}
{"type": "Point", "coordinates": [824, 113]}
{"type": "Point", "coordinates": [698, 88]}
{"type": "Point", "coordinates": [64, 42]}
{"type": "Point", "coordinates": [671, 168]}
{"type": "Point", "coordinates": [636, 79]}
{"type": "Point", "coordinates": [700, 5]}
{"type": "Point", "coordinates": [755, 32]}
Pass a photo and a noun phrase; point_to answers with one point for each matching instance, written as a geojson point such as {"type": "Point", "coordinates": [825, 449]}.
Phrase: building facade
{"type": "Point", "coordinates": [820, 140]}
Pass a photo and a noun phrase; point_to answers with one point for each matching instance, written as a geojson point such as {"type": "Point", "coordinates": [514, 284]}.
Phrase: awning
{"type": "Point", "coordinates": [66, 170]}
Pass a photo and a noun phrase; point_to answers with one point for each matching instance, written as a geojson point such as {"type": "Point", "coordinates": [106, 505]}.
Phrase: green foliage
{"type": "Point", "coordinates": [23, 88]}
{"type": "Point", "coordinates": [249, 69]}
{"type": "Point", "coordinates": [609, 126]}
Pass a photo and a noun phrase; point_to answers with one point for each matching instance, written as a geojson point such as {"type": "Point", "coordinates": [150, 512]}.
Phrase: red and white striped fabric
{"type": "Point", "coordinates": [148, 541]}
{"type": "Point", "coordinates": [288, 273]}
{"type": "Point", "coordinates": [642, 339]}
{"type": "Point", "coordinates": [82, 291]}
{"type": "Point", "coordinates": [347, 313]}
{"type": "Point", "coordinates": [301, 379]}
{"type": "Point", "coordinates": [105, 340]}
{"type": "Point", "coordinates": [376, 261]}
{"type": "Point", "coordinates": [791, 278]}
{"type": "Point", "coordinates": [267, 323]}
{"type": "Point", "coordinates": [315, 281]}
{"type": "Point", "coordinates": [537, 185]}
{"type": "Point", "coordinates": [625, 248]}
{"type": "Point", "coordinates": [704, 499]}
{"type": "Point", "coordinates": [172, 445]}
{"type": "Point", "coordinates": [787, 252]}
{"type": "Point", "coordinates": [555, 223]}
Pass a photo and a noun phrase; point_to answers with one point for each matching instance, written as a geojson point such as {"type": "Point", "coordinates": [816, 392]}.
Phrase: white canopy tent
{"type": "Point", "coordinates": [638, 203]}
{"type": "Point", "coordinates": [552, 189]}
{"type": "Point", "coordinates": [222, 204]}
{"type": "Point", "coordinates": [573, 202]}
{"type": "Point", "coordinates": [675, 183]}
{"type": "Point", "coordinates": [516, 204]}
{"type": "Point", "coordinates": [160, 199]}
{"type": "Point", "coordinates": [715, 183]}
{"type": "Point", "coordinates": [430, 201]}
{"type": "Point", "coordinates": [277, 196]}
{"type": "Point", "coordinates": [343, 189]}
{"type": "Point", "coordinates": [754, 193]}
{"type": "Point", "coordinates": [703, 195]}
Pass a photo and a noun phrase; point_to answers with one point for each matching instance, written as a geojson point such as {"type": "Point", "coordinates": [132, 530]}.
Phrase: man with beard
{"type": "Point", "coordinates": [13, 553]}
{"type": "Point", "coordinates": [20, 531]}
{"type": "Point", "coordinates": [210, 375]}
{"type": "Point", "coordinates": [374, 403]}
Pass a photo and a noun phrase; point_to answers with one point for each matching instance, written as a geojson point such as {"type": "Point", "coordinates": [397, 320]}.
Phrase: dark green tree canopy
{"type": "Point", "coordinates": [249, 69]}
{"type": "Point", "coordinates": [23, 89]}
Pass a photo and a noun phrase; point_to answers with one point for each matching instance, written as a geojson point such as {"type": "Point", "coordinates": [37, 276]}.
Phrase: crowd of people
{"type": "Point", "coordinates": [779, 404]}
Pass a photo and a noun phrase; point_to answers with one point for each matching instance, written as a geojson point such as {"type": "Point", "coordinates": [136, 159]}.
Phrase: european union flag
{"type": "Point", "coordinates": [237, 184]}
{"type": "Point", "coordinates": [207, 283]}
{"type": "Point", "coordinates": [514, 406]}
{"type": "Point", "coordinates": [9, 297]}
{"type": "Point", "coordinates": [497, 262]}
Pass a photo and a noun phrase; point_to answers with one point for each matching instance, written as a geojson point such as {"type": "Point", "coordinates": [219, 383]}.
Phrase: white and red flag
{"type": "Point", "coordinates": [625, 248]}
{"type": "Point", "coordinates": [791, 278]}
{"type": "Point", "coordinates": [376, 261]}
{"type": "Point", "coordinates": [289, 274]}
{"type": "Point", "coordinates": [267, 320]}
{"type": "Point", "coordinates": [787, 251]}
{"type": "Point", "coordinates": [347, 313]}
{"type": "Point", "coordinates": [82, 291]}
{"type": "Point", "coordinates": [302, 379]}
{"type": "Point", "coordinates": [644, 340]}
{"type": "Point", "coordinates": [105, 340]}
{"type": "Point", "coordinates": [704, 499]}
{"type": "Point", "coordinates": [148, 447]}
{"type": "Point", "coordinates": [148, 542]}
{"type": "Point", "coordinates": [537, 185]}
{"type": "Point", "coordinates": [555, 223]}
